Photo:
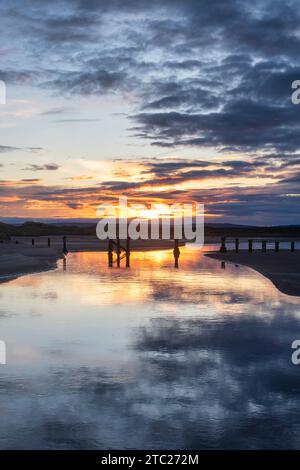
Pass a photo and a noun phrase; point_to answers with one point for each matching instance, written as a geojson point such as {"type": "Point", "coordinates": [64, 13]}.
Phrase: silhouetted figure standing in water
{"type": "Point", "coordinates": [176, 253]}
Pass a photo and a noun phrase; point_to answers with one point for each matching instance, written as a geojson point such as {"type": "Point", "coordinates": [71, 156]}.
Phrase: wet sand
{"type": "Point", "coordinates": [16, 260]}
{"type": "Point", "coordinates": [283, 268]}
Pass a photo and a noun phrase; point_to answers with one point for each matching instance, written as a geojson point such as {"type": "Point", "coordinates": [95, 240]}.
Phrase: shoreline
{"type": "Point", "coordinates": [19, 260]}
{"type": "Point", "coordinates": [282, 269]}
{"type": "Point", "coordinates": [18, 257]}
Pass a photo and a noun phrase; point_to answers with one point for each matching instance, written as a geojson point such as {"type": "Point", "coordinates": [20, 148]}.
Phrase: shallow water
{"type": "Point", "coordinates": [148, 357]}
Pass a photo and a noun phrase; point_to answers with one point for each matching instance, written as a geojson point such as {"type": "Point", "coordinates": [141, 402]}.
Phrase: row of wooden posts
{"type": "Point", "coordinates": [126, 252]}
{"type": "Point", "coordinates": [119, 248]}
{"type": "Point", "coordinates": [64, 239]}
{"type": "Point", "coordinates": [223, 248]}
{"type": "Point", "coordinates": [121, 251]}
{"type": "Point", "coordinates": [111, 245]}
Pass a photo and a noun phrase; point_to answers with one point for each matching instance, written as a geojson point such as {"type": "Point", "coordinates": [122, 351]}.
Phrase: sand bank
{"type": "Point", "coordinates": [20, 259]}
{"type": "Point", "coordinates": [76, 243]}
{"type": "Point", "coordinates": [282, 268]}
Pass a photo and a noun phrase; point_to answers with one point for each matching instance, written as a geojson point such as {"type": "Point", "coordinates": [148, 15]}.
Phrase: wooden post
{"type": "Point", "coordinates": [176, 252]}
{"type": "Point", "coordinates": [237, 245]}
{"type": "Point", "coordinates": [32, 242]}
{"type": "Point", "coordinates": [118, 252]}
{"type": "Point", "coordinates": [250, 246]}
{"type": "Point", "coordinates": [110, 253]}
{"type": "Point", "coordinates": [292, 247]}
{"type": "Point", "coordinates": [223, 248]}
{"type": "Point", "coordinates": [49, 243]}
{"type": "Point", "coordinates": [264, 246]}
{"type": "Point", "coordinates": [65, 250]}
{"type": "Point", "coordinates": [276, 246]}
{"type": "Point", "coordinates": [128, 252]}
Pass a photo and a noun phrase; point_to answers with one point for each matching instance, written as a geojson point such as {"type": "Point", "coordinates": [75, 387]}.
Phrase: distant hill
{"type": "Point", "coordinates": [6, 231]}
{"type": "Point", "coordinates": [35, 229]}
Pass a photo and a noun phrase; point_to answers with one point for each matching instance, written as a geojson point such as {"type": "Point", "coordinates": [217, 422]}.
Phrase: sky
{"type": "Point", "coordinates": [162, 101]}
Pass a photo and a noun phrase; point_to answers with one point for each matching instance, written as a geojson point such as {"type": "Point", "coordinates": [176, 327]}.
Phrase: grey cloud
{"type": "Point", "coordinates": [55, 111]}
{"type": "Point", "coordinates": [241, 125]}
{"type": "Point", "coordinates": [46, 166]}
{"type": "Point", "coordinates": [7, 148]}
{"type": "Point", "coordinates": [87, 83]}
{"type": "Point", "coordinates": [31, 180]}
{"type": "Point", "coordinates": [77, 120]}
{"type": "Point", "coordinates": [224, 69]}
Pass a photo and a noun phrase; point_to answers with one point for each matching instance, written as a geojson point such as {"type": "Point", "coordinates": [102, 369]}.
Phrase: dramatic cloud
{"type": "Point", "coordinates": [187, 74]}
{"type": "Point", "coordinates": [206, 74]}
{"type": "Point", "coordinates": [252, 191]}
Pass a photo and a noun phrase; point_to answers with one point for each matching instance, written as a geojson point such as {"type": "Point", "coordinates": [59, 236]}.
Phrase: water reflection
{"type": "Point", "coordinates": [148, 357]}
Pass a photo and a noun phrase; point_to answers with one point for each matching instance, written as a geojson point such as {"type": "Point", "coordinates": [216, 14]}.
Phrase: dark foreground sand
{"type": "Point", "coordinates": [282, 268]}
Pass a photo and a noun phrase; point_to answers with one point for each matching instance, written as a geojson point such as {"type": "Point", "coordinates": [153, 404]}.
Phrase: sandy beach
{"type": "Point", "coordinates": [282, 268]}
{"type": "Point", "coordinates": [20, 259]}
